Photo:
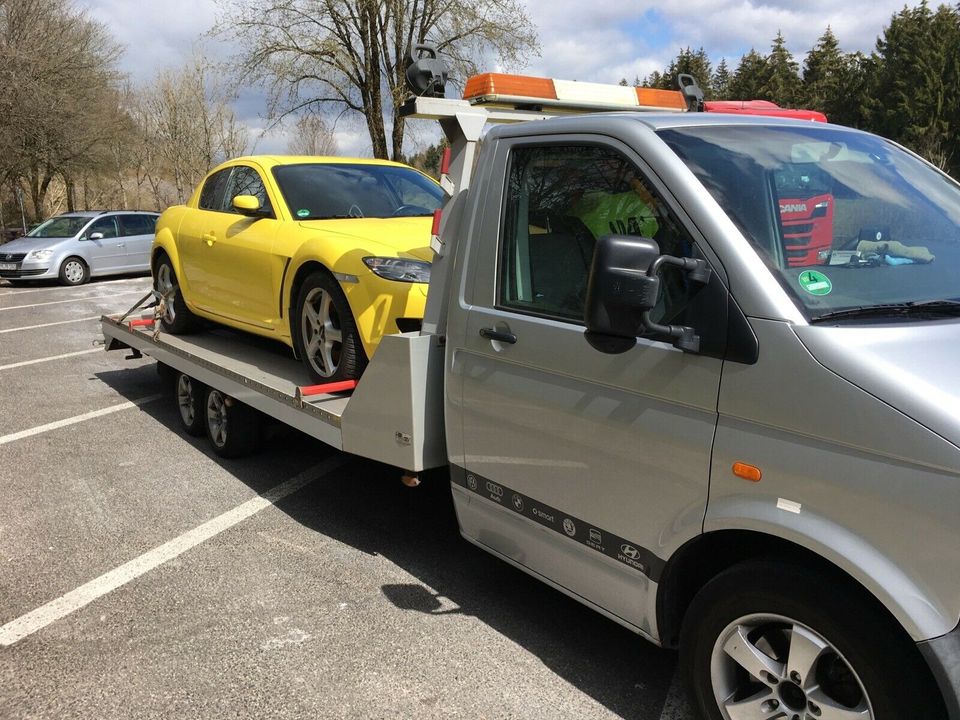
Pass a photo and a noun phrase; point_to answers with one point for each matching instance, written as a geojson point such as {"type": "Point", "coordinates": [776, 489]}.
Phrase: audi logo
{"type": "Point", "coordinates": [494, 489]}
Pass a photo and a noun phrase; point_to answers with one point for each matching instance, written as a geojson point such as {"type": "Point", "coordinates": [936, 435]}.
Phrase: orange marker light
{"type": "Point", "coordinates": [747, 472]}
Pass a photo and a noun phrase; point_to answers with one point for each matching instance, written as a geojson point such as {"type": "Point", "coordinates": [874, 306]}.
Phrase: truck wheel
{"type": "Point", "coordinates": [190, 395]}
{"type": "Point", "coordinates": [177, 318]}
{"type": "Point", "coordinates": [765, 640]}
{"type": "Point", "coordinates": [327, 338]}
{"type": "Point", "coordinates": [232, 427]}
{"type": "Point", "coordinates": [74, 271]}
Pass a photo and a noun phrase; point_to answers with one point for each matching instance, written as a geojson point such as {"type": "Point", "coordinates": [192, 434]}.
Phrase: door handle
{"type": "Point", "coordinates": [498, 335]}
{"type": "Point", "coordinates": [209, 239]}
{"type": "Point", "coordinates": [121, 244]}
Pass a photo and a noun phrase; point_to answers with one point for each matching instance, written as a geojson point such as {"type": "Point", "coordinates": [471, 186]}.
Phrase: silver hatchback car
{"type": "Point", "coordinates": [77, 246]}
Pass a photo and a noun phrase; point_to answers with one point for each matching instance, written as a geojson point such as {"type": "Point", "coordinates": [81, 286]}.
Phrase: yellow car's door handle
{"type": "Point", "coordinates": [209, 239]}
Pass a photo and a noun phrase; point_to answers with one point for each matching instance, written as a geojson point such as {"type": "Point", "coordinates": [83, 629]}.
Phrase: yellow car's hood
{"type": "Point", "coordinates": [401, 236]}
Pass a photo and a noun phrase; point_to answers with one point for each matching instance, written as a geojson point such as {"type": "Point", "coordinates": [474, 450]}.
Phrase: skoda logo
{"type": "Point", "coordinates": [630, 551]}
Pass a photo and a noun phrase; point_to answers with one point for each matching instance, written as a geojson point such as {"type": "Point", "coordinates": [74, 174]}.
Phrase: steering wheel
{"type": "Point", "coordinates": [358, 214]}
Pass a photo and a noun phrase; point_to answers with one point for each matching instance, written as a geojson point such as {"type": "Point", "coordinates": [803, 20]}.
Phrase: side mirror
{"type": "Point", "coordinates": [623, 288]}
{"type": "Point", "coordinates": [248, 205]}
{"type": "Point", "coordinates": [95, 236]}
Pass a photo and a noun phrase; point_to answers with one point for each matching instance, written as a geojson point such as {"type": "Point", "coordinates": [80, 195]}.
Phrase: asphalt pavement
{"type": "Point", "coordinates": [141, 576]}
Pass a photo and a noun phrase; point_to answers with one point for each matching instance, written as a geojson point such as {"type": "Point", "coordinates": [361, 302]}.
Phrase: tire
{"type": "Point", "coordinates": [74, 271]}
{"type": "Point", "coordinates": [177, 318]}
{"type": "Point", "coordinates": [232, 427]}
{"type": "Point", "coordinates": [326, 334]}
{"type": "Point", "coordinates": [772, 617]}
{"type": "Point", "coordinates": [190, 396]}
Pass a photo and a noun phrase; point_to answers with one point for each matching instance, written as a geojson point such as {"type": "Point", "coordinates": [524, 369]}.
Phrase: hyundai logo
{"type": "Point", "coordinates": [630, 551]}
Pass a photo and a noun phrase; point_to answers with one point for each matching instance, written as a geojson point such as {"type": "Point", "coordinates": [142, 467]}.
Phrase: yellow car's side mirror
{"type": "Point", "coordinates": [247, 205]}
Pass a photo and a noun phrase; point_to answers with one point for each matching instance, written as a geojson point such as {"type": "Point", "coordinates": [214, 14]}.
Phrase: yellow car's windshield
{"type": "Point", "coordinates": [323, 191]}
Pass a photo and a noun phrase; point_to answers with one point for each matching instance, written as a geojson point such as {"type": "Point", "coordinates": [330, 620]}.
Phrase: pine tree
{"type": "Point", "coordinates": [748, 79]}
{"type": "Point", "coordinates": [914, 90]}
{"type": "Point", "coordinates": [721, 81]}
{"type": "Point", "coordinates": [823, 73]}
{"type": "Point", "coordinates": [782, 79]}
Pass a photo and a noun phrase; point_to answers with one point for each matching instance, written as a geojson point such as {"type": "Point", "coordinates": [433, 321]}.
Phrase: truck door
{"type": "Point", "coordinates": [587, 468]}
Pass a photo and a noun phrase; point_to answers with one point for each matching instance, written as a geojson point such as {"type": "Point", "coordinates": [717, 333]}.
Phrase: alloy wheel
{"type": "Point", "coordinates": [217, 418]}
{"type": "Point", "coordinates": [166, 283]}
{"type": "Point", "coordinates": [185, 400]}
{"type": "Point", "coordinates": [773, 667]}
{"type": "Point", "coordinates": [321, 331]}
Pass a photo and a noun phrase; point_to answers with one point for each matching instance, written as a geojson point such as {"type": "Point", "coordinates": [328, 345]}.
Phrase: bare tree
{"type": "Point", "coordinates": [312, 136]}
{"type": "Point", "coordinates": [187, 126]}
{"type": "Point", "coordinates": [58, 95]}
{"type": "Point", "coordinates": [352, 54]}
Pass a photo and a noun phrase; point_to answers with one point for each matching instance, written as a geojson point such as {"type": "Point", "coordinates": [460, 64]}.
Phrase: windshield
{"type": "Point", "coordinates": [63, 226]}
{"type": "Point", "coordinates": [844, 220]}
{"type": "Point", "coordinates": [325, 190]}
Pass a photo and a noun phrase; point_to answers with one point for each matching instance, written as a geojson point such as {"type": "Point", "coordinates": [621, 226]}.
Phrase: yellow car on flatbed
{"type": "Point", "coordinates": [324, 254]}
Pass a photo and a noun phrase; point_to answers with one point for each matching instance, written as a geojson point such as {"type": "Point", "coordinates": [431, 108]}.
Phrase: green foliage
{"type": "Point", "coordinates": [908, 89]}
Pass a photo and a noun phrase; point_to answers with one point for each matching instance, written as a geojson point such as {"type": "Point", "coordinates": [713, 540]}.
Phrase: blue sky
{"type": "Point", "coordinates": [601, 41]}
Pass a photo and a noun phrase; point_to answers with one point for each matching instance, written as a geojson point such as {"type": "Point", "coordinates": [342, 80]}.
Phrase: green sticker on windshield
{"type": "Point", "coordinates": [303, 213]}
{"type": "Point", "coordinates": [815, 283]}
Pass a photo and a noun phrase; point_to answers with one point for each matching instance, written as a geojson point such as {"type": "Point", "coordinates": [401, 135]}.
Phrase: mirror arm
{"type": "Point", "coordinates": [684, 338]}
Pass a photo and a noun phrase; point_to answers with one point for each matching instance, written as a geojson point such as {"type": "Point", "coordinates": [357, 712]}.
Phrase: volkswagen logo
{"type": "Point", "coordinates": [630, 551]}
{"type": "Point", "coordinates": [9, 257]}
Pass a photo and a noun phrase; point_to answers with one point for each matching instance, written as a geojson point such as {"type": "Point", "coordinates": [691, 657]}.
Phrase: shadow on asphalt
{"type": "Point", "coordinates": [364, 505]}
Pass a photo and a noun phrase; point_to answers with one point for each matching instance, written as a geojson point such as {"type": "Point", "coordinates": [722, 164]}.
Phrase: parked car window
{"type": "Point", "coordinates": [410, 193]}
{"type": "Point", "coordinates": [137, 224]}
{"type": "Point", "coordinates": [62, 226]}
{"type": "Point", "coordinates": [560, 200]}
{"type": "Point", "coordinates": [317, 191]}
{"type": "Point", "coordinates": [247, 181]}
{"type": "Point", "coordinates": [105, 225]}
{"type": "Point", "coordinates": [211, 197]}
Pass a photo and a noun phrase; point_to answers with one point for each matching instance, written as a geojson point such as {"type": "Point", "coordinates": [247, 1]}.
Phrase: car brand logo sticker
{"type": "Point", "coordinates": [303, 213]}
{"type": "Point", "coordinates": [568, 526]}
{"type": "Point", "coordinates": [815, 282]}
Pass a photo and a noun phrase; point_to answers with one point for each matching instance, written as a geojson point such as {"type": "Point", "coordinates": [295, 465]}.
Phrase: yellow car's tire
{"type": "Point", "coordinates": [177, 318]}
{"type": "Point", "coordinates": [327, 339]}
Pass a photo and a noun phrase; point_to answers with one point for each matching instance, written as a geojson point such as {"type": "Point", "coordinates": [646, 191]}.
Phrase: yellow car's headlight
{"type": "Point", "coordinates": [413, 271]}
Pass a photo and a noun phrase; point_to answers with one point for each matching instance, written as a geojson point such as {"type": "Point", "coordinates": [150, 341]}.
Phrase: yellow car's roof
{"type": "Point", "coordinates": [269, 161]}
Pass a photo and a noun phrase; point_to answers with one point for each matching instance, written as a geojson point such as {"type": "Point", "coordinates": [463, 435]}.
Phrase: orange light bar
{"type": "Point", "coordinates": [521, 91]}
{"type": "Point", "coordinates": [661, 98]}
{"type": "Point", "coordinates": [487, 84]}
{"type": "Point", "coordinates": [747, 472]}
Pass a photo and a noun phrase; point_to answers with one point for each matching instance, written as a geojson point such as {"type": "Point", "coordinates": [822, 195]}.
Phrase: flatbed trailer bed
{"type": "Point", "coordinates": [391, 416]}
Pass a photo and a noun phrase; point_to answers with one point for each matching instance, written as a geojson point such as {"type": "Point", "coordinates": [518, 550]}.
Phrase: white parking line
{"type": "Point", "coordinates": [78, 299]}
{"type": "Point", "coordinates": [56, 425]}
{"type": "Point", "coordinates": [27, 624]}
{"type": "Point", "coordinates": [43, 325]}
{"type": "Point", "coordinates": [62, 288]}
{"type": "Point", "coordinates": [50, 359]}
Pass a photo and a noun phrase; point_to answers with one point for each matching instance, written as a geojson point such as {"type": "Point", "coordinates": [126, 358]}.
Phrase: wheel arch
{"type": "Point", "coordinates": [707, 555]}
{"type": "Point", "coordinates": [292, 290]}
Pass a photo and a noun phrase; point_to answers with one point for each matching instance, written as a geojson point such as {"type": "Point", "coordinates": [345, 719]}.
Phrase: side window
{"type": "Point", "coordinates": [105, 225]}
{"type": "Point", "coordinates": [137, 224]}
{"type": "Point", "coordinates": [409, 193]}
{"type": "Point", "coordinates": [560, 199]}
{"type": "Point", "coordinates": [211, 197]}
{"type": "Point", "coordinates": [247, 181]}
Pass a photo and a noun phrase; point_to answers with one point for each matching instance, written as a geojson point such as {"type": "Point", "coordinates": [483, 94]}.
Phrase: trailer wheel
{"type": "Point", "coordinates": [190, 396]}
{"type": "Point", "coordinates": [327, 336]}
{"type": "Point", "coordinates": [769, 640]}
{"type": "Point", "coordinates": [177, 318]}
{"type": "Point", "coordinates": [232, 427]}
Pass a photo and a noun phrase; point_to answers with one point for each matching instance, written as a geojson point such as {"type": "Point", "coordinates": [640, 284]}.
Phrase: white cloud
{"type": "Point", "coordinates": [600, 41]}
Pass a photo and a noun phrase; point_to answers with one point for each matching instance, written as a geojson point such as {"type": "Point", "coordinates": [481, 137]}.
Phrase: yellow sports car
{"type": "Point", "coordinates": [324, 254]}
